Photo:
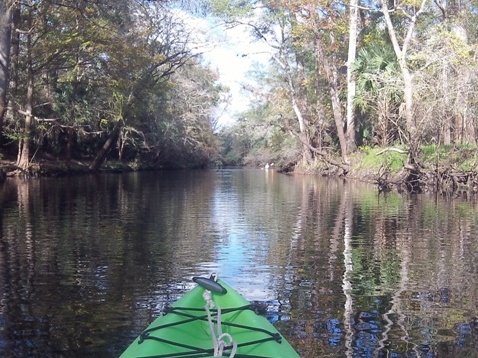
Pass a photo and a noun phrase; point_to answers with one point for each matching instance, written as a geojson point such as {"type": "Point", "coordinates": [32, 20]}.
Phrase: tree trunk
{"type": "Point", "coordinates": [303, 137]}
{"type": "Point", "coordinates": [69, 146]}
{"type": "Point", "coordinates": [410, 118]}
{"type": "Point", "coordinates": [468, 128]}
{"type": "Point", "coordinates": [24, 148]}
{"type": "Point", "coordinates": [350, 134]}
{"type": "Point", "coordinates": [101, 155]}
{"type": "Point", "coordinates": [401, 54]}
{"type": "Point", "coordinates": [72, 125]}
{"type": "Point", "coordinates": [339, 122]}
{"type": "Point", "coordinates": [331, 75]}
{"type": "Point", "coordinates": [5, 45]}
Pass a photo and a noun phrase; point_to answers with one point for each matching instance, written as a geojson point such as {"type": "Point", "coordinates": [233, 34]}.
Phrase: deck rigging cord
{"type": "Point", "coordinates": [220, 340]}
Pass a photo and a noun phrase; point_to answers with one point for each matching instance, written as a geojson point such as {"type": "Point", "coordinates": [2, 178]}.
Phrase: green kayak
{"type": "Point", "coordinates": [211, 320]}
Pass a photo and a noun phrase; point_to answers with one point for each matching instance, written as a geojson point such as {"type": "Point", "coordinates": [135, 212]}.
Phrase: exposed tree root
{"type": "Point", "coordinates": [416, 179]}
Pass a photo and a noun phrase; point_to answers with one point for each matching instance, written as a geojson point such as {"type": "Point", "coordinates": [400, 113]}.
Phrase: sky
{"type": "Point", "coordinates": [233, 58]}
{"type": "Point", "coordinates": [232, 53]}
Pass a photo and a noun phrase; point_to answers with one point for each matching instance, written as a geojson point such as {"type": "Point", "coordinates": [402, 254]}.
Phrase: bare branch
{"type": "Point", "coordinates": [38, 119]}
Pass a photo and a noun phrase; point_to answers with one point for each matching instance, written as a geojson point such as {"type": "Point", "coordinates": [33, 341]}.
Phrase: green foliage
{"type": "Point", "coordinates": [376, 70]}
{"type": "Point", "coordinates": [373, 159]}
{"type": "Point", "coordinates": [120, 69]}
{"type": "Point", "coordinates": [232, 8]}
{"type": "Point", "coordinates": [464, 157]}
{"type": "Point", "coordinates": [257, 139]}
{"type": "Point", "coordinates": [96, 64]}
{"type": "Point", "coordinates": [376, 158]}
{"type": "Point", "coordinates": [74, 102]}
{"type": "Point", "coordinates": [379, 93]}
{"type": "Point", "coordinates": [234, 146]}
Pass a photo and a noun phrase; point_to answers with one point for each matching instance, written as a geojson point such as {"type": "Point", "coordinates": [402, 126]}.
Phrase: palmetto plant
{"type": "Point", "coordinates": [379, 93]}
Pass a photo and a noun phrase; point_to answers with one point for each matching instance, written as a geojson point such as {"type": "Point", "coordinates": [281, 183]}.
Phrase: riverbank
{"type": "Point", "coordinates": [444, 169]}
{"type": "Point", "coordinates": [59, 168]}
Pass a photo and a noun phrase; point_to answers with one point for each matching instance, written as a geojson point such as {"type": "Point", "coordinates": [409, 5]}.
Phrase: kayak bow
{"type": "Point", "coordinates": [211, 320]}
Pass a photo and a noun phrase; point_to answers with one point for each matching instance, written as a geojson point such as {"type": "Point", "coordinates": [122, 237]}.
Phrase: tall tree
{"type": "Point", "coordinates": [273, 25]}
{"type": "Point", "coordinates": [379, 94]}
{"type": "Point", "coordinates": [139, 63]}
{"type": "Point", "coordinates": [401, 51]}
{"type": "Point", "coordinates": [320, 26]}
{"type": "Point", "coordinates": [309, 52]}
{"type": "Point", "coordinates": [353, 21]}
{"type": "Point", "coordinates": [284, 60]}
{"type": "Point", "coordinates": [6, 22]}
{"type": "Point", "coordinates": [26, 134]}
{"type": "Point", "coordinates": [451, 73]}
{"type": "Point", "coordinates": [87, 72]}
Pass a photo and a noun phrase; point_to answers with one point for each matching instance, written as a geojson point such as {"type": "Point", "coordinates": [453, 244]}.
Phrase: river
{"type": "Point", "coordinates": [87, 262]}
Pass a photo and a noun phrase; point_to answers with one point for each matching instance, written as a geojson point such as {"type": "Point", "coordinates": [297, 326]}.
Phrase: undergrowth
{"type": "Point", "coordinates": [375, 158]}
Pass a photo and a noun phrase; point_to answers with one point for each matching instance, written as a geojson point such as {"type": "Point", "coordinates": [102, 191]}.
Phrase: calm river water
{"type": "Point", "coordinates": [87, 262]}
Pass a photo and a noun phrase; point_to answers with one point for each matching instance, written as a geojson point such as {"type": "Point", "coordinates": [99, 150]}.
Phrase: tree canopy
{"type": "Point", "coordinates": [125, 80]}
{"type": "Point", "coordinates": [110, 79]}
{"type": "Point", "coordinates": [408, 84]}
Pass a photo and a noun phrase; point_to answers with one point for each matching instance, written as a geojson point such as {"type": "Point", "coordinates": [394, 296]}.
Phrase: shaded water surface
{"type": "Point", "coordinates": [87, 262]}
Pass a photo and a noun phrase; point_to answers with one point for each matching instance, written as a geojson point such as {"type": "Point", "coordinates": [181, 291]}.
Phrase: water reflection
{"type": "Point", "coordinates": [401, 285]}
{"type": "Point", "coordinates": [87, 262]}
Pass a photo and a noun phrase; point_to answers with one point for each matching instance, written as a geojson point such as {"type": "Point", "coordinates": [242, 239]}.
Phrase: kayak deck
{"type": "Point", "coordinates": [187, 330]}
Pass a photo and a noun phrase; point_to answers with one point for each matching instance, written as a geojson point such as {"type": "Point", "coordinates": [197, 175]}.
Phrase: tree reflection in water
{"type": "Point", "coordinates": [86, 263]}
